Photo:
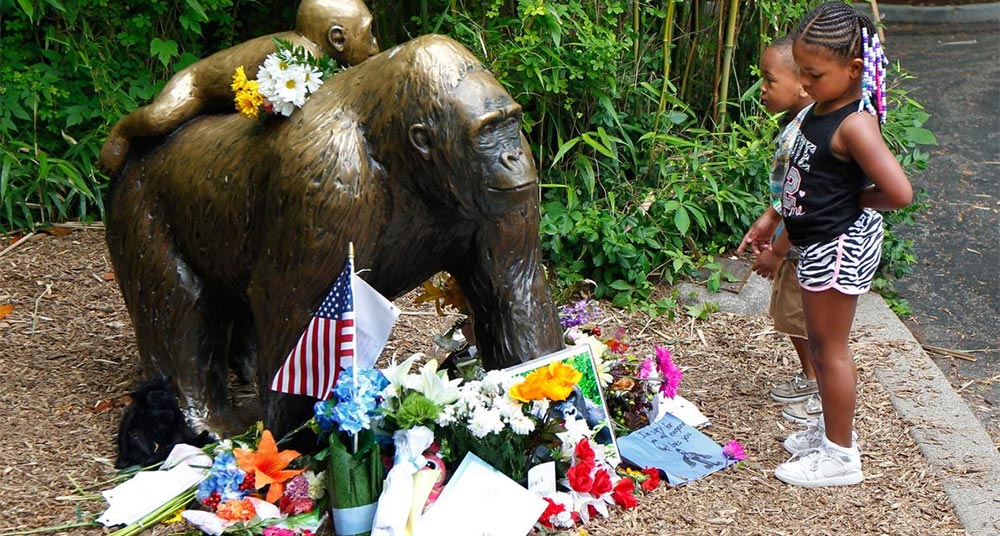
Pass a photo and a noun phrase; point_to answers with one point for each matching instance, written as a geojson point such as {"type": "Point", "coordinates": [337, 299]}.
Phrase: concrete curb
{"type": "Point", "coordinates": [948, 434]}
{"type": "Point", "coordinates": [957, 14]}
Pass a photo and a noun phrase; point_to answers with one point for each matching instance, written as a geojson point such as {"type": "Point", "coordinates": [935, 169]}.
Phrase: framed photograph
{"type": "Point", "coordinates": [587, 399]}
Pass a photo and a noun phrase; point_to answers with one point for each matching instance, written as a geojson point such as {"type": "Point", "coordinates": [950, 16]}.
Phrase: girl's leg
{"type": "Point", "coordinates": [829, 316]}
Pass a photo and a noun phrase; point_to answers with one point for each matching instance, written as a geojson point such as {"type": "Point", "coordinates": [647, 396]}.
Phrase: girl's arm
{"type": "Point", "coordinates": [859, 138]}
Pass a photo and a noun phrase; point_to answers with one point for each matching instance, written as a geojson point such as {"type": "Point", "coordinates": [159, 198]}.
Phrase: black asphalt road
{"type": "Point", "coordinates": [954, 288]}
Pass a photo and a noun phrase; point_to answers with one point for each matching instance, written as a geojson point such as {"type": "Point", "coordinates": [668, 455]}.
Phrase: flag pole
{"type": "Point", "coordinates": [354, 359]}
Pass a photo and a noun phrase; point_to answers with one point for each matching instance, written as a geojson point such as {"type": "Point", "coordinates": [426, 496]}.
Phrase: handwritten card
{"type": "Point", "coordinates": [680, 451]}
{"type": "Point", "coordinates": [481, 501]}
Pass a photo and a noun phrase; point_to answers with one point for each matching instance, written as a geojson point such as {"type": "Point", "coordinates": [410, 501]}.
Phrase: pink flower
{"type": "Point", "coordinates": [734, 451]}
{"type": "Point", "coordinates": [646, 369]}
{"type": "Point", "coordinates": [672, 374]}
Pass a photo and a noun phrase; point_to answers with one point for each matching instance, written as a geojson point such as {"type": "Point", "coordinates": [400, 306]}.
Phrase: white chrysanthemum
{"type": "Point", "coordinates": [313, 79]}
{"type": "Point", "coordinates": [284, 108]}
{"type": "Point", "coordinates": [293, 88]}
{"type": "Point", "coordinates": [522, 425]}
{"type": "Point", "coordinates": [317, 486]}
{"type": "Point", "coordinates": [509, 408]}
{"type": "Point", "coordinates": [485, 421]}
{"type": "Point", "coordinates": [497, 381]}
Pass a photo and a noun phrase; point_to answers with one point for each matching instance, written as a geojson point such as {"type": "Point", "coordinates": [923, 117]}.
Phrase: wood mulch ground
{"type": "Point", "coordinates": [68, 360]}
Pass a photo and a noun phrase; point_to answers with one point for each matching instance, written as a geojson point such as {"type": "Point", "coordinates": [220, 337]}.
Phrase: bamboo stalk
{"type": "Point", "coordinates": [727, 60]}
{"type": "Point", "coordinates": [718, 63]}
{"type": "Point", "coordinates": [635, 32]}
{"type": "Point", "coordinates": [668, 37]}
{"type": "Point", "coordinates": [878, 20]}
{"type": "Point", "coordinates": [692, 48]}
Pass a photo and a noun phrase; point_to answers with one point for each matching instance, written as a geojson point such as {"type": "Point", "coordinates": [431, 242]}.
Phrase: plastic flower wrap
{"type": "Point", "coordinates": [355, 472]}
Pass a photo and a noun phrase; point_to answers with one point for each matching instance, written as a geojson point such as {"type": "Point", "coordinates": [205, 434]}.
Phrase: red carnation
{"type": "Point", "coordinates": [654, 479]}
{"type": "Point", "coordinates": [623, 493]}
{"type": "Point", "coordinates": [580, 477]}
{"type": "Point", "coordinates": [602, 483]}
{"type": "Point", "coordinates": [584, 451]}
{"type": "Point", "coordinates": [553, 509]}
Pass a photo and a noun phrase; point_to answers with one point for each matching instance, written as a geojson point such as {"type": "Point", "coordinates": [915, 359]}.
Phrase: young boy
{"type": "Point", "coordinates": [780, 91]}
{"type": "Point", "coordinates": [341, 29]}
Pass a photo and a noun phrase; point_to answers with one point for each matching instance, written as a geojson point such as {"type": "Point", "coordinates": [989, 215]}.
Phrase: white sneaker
{"type": "Point", "coordinates": [811, 438]}
{"type": "Point", "coordinates": [828, 465]}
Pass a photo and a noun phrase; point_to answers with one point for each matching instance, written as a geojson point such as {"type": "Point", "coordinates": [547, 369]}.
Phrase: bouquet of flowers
{"type": "Point", "coordinates": [593, 485]}
{"type": "Point", "coordinates": [355, 472]}
{"type": "Point", "coordinates": [287, 77]}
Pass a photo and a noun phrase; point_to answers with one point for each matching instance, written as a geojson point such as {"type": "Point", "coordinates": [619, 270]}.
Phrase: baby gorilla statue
{"type": "Point", "coordinates": [152, 425]}
{"type": "Point", "coordinates": [341, 29]}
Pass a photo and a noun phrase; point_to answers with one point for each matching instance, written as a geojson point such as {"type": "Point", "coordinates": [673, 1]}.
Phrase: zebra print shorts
{"type": "Point", "coordinates": [846, 263]}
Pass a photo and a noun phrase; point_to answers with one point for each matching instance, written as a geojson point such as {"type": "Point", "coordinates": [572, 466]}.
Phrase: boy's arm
{"type": "Point", "coordinates": [781, 245]}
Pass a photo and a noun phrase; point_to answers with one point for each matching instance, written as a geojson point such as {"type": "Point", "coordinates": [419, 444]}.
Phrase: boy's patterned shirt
{"type": "Point", "coordinates": [779, 166]}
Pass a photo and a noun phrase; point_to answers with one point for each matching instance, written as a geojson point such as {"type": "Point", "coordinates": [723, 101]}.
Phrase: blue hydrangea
{"type": "Point", "coordinates": [353, 403]}
{"type": "Point", "coordinates": [224, 477]}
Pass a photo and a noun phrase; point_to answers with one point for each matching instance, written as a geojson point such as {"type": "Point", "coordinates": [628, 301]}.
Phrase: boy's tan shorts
{"type": "Point", "coordinates": [786, 301]}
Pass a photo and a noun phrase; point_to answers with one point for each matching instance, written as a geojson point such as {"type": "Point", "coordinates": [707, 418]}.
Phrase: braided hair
{"type": "Point", "coordinates": [849, 34]}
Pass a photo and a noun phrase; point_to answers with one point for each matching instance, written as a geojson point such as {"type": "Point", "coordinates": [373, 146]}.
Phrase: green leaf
{"type": "Point", "coordinates": [163, 50]}
{"type": "Point", "coordinates": [196, 7]}
{"type": "Point", "coordinates": [620, 284]}
{"type": "Point", "coordinates": [596, 145]}
{"type": "Point", "coordinates": [563, 149]}
{"type": "Point", "coordinates": [681, 220]}
{"type": "Point", "coordinates": [28, 7]}
{"type": "Point", "coordinates": [921, 136]}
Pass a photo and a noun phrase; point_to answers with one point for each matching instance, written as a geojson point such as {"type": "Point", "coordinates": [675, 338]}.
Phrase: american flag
{"type": "Point", "coordinates": [326, 346]}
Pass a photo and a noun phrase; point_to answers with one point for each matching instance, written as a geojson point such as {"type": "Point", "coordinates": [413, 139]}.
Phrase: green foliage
{"type": "Point", "coordinates": [643, 182]}
{"type": "Point", "coordinates": [70, 68]}
{"type": "Point", "coordinates": [904, 132]}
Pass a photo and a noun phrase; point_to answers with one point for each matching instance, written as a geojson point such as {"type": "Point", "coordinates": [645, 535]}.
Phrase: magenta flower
{"type": "Point", "coordinates": [672, 374]}
{"type": "Point", "coordinates": [734, 451]}
{"type": "Point", "coordinates": [646, 369]}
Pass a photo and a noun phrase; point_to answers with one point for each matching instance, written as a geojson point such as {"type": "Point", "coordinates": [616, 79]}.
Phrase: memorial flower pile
{"type": "Point", "coordinates": [251, 488]}
{"type": "Point", "coordinates": [631, 382]}
{"type": "Point", "coordinates": [287, 77]}
{"type": "Point", "coordinates": [379, 430]}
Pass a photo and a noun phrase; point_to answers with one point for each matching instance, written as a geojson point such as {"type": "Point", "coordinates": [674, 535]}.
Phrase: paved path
{"type": "Point", "coordinates": [954, 288]}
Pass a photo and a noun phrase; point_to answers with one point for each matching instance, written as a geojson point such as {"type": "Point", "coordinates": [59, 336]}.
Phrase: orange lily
{"type": "Point", "coordinates": [268, 465]}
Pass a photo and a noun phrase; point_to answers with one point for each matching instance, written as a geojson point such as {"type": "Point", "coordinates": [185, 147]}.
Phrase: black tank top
{"type": "Point", "coordinates": [822, 193]}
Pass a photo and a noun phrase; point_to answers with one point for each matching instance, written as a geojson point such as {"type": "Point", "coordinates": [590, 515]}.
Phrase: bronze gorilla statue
{"type": "Point", "coordinates": [226, 235]}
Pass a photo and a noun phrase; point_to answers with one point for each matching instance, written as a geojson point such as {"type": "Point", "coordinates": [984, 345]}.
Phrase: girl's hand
{"type": "Point", "coordinates": [859, 138]}
{"type": "Point", "coordinates": [758, 237]}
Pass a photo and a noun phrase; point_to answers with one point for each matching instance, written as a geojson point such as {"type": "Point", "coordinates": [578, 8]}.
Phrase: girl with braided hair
{"type": "Point", "coordinates": [840, 173]}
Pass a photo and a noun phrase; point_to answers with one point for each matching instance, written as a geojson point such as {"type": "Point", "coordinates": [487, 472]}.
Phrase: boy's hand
{"type": "Point", "coordinates": [759, 235]}
{"type": "Point", "coordinates": [766, 265]}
